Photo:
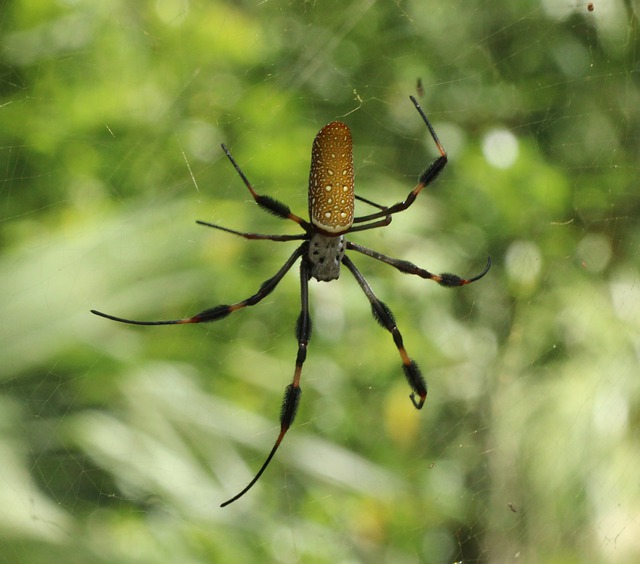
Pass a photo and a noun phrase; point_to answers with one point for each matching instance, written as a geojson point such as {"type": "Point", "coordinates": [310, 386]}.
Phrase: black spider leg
{"type": "Point", "coordinates": [382, 223]}
{"type": "Point", "coordinates": [268, 203]}
{"type": "Point", "coordinates": [221, 311]}
{"type": "Point", "coordinates": [292, 392]}
{"type": "Point", "coordinates": [445, 279]}
{"type": "Point", "coordinates": [382, 314]}
{"type": "Point", "coordinates": [426, 178]}
{"type": "Point", "coordinates": [371, 203]}
{"type": "Point", "coordinates": [261, 236]}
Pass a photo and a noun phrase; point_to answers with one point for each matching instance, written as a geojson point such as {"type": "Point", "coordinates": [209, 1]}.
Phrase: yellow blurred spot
{"type": "Point", "coordinates": [401, 419]}
{"type": "Point", "coordinates": [370, 521]}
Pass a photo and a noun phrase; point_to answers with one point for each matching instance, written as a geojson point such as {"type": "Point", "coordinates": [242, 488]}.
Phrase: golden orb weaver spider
{"type": "Point", "coordinates": [331, 212]}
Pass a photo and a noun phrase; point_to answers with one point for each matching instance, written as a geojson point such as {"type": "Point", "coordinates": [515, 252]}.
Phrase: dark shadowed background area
{"type": "Point", "coordinates": [118, 443]}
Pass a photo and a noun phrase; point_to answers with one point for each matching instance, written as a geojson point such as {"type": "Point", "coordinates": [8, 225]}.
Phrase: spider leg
{"type": "Point", "coordinates": [221, 311]}
{"type": "Point", "coordinates": [362, 199]}
{"type": "Point", "coordinates": [292, 391]}
{"type": "Point", "coordinates": [381, 223]}
{"type": "Point", "coordinates": [255, 235]}
{"type": "Point", "coordinates": [426, 178]}
{"type": "Point", "coordinates": [267, 203]}
{"type": "Point", "coordinates": [373, 225]}
{"type": "Point", "coordinates": [445, 279]}
{"type": "Point", "coordinates": [382, 314]}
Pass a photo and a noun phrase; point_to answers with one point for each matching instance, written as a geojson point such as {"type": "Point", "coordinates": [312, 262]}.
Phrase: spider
{"type": "Point", "coordinates": [322, 253]}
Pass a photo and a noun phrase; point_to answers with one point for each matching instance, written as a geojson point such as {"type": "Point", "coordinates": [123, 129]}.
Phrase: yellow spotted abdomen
{"type": "Point", "coordinates": [331, 199]}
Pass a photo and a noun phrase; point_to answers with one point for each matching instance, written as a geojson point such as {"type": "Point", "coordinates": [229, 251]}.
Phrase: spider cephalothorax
{"type": "Point", "coordinates": [322, 253]}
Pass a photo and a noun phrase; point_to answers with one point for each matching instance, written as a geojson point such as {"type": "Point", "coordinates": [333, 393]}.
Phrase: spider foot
{"type": "Point", "coordinates": [417, 404]}
{"type": "Point", "coordinates": [417, 382]}
{"type": "Point", "coordinates": [452, 280]}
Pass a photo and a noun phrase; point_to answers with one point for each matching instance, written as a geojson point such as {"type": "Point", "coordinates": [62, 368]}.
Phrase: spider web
{"type": "Point", "coordinates": [119, 443]}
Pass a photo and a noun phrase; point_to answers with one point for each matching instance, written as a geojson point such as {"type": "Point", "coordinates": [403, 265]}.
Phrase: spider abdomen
{"type": "Point", "coordinates": [331, 179]}
{"type": "Point", "coordinates": [325, 255]}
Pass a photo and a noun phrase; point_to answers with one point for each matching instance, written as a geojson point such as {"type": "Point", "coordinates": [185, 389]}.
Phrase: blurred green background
{"type": "Point", "coordinates": [118, 443]}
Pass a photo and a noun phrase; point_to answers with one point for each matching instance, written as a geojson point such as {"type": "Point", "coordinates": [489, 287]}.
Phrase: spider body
{"type": "Point", "coordinates": [325, 255]}
{"type": "Point", "coordinates": [322, 253]}
{"type": "Point", "coordinates": [331, 199]}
